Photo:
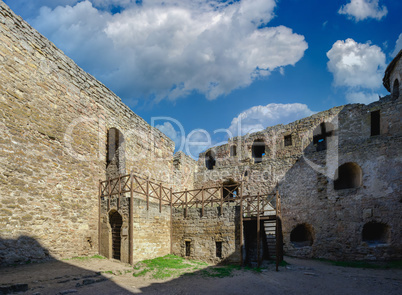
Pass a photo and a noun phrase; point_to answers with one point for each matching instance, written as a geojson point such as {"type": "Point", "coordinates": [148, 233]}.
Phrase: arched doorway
{"type": "Point", "coordinates": [116, 222]}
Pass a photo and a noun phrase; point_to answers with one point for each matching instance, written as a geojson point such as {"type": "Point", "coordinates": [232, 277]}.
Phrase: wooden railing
{"type": "Point", "coordinates": [252, 207]}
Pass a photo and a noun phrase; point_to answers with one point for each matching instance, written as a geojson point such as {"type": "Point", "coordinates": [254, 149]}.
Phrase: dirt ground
{"type": "Point", "coordinates": [101, 276]}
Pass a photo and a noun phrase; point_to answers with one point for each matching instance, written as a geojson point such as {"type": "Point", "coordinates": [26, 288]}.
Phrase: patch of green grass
{"type": "Point", "coordinates": [166, 266]}
{"type": "Point", "coordinates": [108, 271]}
{"type": "Point", "coordinates": [283, 263]}
{"type": "Point", "coordinates": [220, 271]}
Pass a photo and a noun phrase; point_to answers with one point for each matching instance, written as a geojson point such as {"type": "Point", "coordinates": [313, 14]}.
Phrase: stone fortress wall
{"type": "Point", "coordinates": [332, 220]}
{"type": "Point", "coordinates": [55, 124]}
{"type": "Point", "coordinates": [62, 131]}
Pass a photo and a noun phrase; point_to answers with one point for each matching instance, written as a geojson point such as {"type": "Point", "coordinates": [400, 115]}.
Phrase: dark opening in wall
{"type": "Point", "coordinates": [250, 242]}
{"type": "Point", "coordinates": [348, 175]}
{"type": "Point", "coordinates": [320, 136]}
{"type": "Point", "coordinates": [395, 89]}
{"type": "Point", "coordinates": [375, 233]}
{"type": "Point", "coordinates": [288, 140]}
{"type": "Point", "coordinates": [219, 249]}
{"type": "Point", "coordinates": [302, 235]}
{"type": "Point", "coordinates": [233, 150]}
{"type": "Point", "coordinates": [210, 160]}
{"type": "Point", "coordinates": [230, 190]}
{"type": "Point", "coordinates": [375, 123]}
{"type": "Point", "coordinates": [258, 150]}
{"type": "Point", "coordinates": [188, 248]}
{"type": "Point", "coordinates": [116, 221]}
{"type": "Point", "coordinates": [115, 154]}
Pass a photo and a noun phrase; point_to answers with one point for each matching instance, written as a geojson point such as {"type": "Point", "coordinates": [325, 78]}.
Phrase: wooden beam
{"type": "Point", "coordinates": [99, 217]}
{"type": "Point", "coordinates": [258, 231]}
{"type": "Point", "coordinates": [202, 200]}
{"type": "Point", "coordinates": [241, 224]}
{"type": "Point", "coordinates": [171, 220]}
{"type": "Point", "coordinates": [131, 223]}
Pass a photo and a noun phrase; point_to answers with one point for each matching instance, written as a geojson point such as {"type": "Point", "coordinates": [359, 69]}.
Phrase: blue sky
{"type": "Point", "coordinates": [209, 64]}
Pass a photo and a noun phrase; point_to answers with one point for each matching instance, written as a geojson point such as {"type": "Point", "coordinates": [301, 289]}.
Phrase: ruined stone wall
{"type": "Point", "coordinates": [202, 232]}
{"type": "Point", "coordinates": [184, 168]}
{"type": "Point", "coordinates": [152, 229]}
{"type": "Point", "coordinates": [337, 217]}
{"type": "Point", "coordinates": [54, 120]}
{"type": "Point", "coordinates": [261, 177]}
{"type": "Point", "coordinates": [305, 178]}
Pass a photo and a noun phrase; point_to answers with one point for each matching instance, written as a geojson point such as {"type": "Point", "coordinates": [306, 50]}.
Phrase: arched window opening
{"type": "Point", "coordinates": [230, 190]}
{"type": "Point", "coordinates": [233, 150]}
{"type": "Point", "coordinates": [210, 160]}
{"type": "Point", "coordinates": [395, 89]}
{"type": "Point", "coordinates": [116, 222]}
{"type": "Point", "coordinates": [321, 136]}
{"type": "Point", "coordinates": [375, 233]}
{"type": "Point", "coordinates": [258, 150]}
{"type": "Point", "coordinates": [115, 154]}
{"type": "Point", "coordinates": [349, 175]}
{"type": "Point", "coordinates": [302, 236]}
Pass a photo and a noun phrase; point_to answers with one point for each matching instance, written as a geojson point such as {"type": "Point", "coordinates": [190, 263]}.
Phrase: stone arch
{"type": "Point", "coordinates": [116, 222]}
{"type": "Point", "coordinates": [302, 235]}
{"type": "Point", "coordinates": [115, 153]}
{"type": "Point", "coordinates": [395, 89]}
{"type": "Point", "coordinates": [375, 233]}
{"type": "Point", "coordinates": [348, 175]}
{"type": "Point", "coordinates": [210, 160]}
{"type": "Point", "coordinates": [258, 150]}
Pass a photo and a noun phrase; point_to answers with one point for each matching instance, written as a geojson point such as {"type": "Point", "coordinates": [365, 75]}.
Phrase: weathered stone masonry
{"type": "Point", "coordinates": [61, 131]}
{"type": "Point", "coordinates": [54, 122]}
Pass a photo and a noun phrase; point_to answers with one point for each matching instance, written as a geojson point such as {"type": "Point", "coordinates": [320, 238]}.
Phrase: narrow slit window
{"type": "Point", "coordinates": [288, 140]}
{"type": "Point", "coordinates": [188, 248]}
{"type": "Point", "coordinates": [233, 151]}
{"type": "Point", "coordinates": [375, 123]}
{"type": "Point", "coordinates": [219, 249]}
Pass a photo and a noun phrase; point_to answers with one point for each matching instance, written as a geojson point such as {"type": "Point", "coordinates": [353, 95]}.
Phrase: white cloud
{"type": "Point", "coordinates": [356, 65]}
{"type": "Point", "coordinates": [167, 49]}
{"type": "Point", "coordinates": [168, 129]}
{"type": "Point", "coordinates": [398, 46]}
{"type": "Point", "coordinates": [259, 117]}
{"type": "Point", "coordinates": [361, 97]}
{"type": "Point", "coordinates": [363, 9]}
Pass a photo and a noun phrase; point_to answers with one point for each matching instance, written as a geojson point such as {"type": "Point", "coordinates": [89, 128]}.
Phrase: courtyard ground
{"type": "Point", "coordinates": [102, 276]}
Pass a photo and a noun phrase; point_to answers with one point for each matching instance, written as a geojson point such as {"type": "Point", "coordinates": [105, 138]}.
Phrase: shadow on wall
{"type": "Point", "coordinates": [51, 276]}
{"type": "Point", "coordinates": [21, 251]}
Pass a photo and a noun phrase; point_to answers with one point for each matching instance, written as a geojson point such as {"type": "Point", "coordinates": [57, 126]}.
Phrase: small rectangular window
{"type": "Point", "coordinates": [219, 249]}
{"type": "Point", "coordinates": [188, 248]}
{"type": "Point", "coordinates": [375, 123]}
{"type": "Point", "coordinates": [288, 140]}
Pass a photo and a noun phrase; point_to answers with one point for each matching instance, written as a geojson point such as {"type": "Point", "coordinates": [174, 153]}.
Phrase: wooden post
{"type": "Point", "coordinates": [160, 197]}
{"type": "Point", "coordinates": [99, 217]}
{"type": "Point", "coordinates": [241, 224]}
{"type": "Point", "coordinates": [258, 230]}
{"type": "Point", "coordinates": [278, 232]}
{"type": "Point", "coordinates": [202, 200]}
{"type": "Point", "coordinates": [131, 222]}
{"type": "Point", "coordinates": [147, 193]}
{"type": "Point", "coordinates": [185, 199]}
{"type": "Point", "coordinates": [221, 198]}
{"type": "Point", "coordinates": [110, 195]}
{"type": "Point", "coordinates": [171, 221]}
{"type": "Point", "coordinates": [118, 200]}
